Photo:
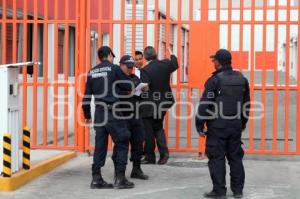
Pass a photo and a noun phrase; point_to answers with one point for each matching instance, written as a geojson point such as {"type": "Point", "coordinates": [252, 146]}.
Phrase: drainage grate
{"type": "Point", "coordinates": [188, 164]}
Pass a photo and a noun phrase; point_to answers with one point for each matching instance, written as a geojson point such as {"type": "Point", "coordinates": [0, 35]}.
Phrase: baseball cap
{"type": "Point", "coordinates": [128, 61]}
{"type": "Point", "coordinates": [222, 55]}
{"type": "Point", "coordinates": [104, 51]}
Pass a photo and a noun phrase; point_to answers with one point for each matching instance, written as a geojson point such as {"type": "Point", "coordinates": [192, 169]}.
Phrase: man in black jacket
{"type": "Point", "coordinates": [224, 109]}
{"type": "Point", "coordinates": [156, 102]}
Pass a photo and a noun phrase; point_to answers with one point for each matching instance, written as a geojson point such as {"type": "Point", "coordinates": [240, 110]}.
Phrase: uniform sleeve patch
{"type": "Point", "coordinates": [210, 95]}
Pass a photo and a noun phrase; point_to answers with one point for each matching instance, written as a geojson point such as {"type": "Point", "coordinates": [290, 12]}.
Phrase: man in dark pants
{"type": "Point", "coordinates": [224, 108]}
{"type": "Point", "coordinates": [102, 84]}
{"type": "Point", "coordinates": [156, 102]}
{"type": "Point", "coordinates": [134, 122]}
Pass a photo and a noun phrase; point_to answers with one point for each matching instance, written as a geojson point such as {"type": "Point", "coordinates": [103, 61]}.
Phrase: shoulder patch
{"type": "Point", "coordinates": [210, 95]}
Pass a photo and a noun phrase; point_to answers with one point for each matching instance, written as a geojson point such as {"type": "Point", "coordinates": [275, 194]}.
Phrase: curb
{"type": "Point", "coordinates": [25, 176]}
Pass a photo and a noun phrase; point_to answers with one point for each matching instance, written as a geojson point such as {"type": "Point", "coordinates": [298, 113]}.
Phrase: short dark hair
{"type": "Point", "coordinates": [150, 53]}
{"type": "Point", "coordinates": [138, 53]}
{"type": "Point", "coordinates": [225, 62]}
{"type": "Point", "coordinates": [104, 52]}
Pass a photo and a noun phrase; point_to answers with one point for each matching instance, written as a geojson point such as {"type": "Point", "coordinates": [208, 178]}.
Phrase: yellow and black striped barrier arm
{"type": "Point", "coordinates": [6, 155]}
{"type": "Point", "coordinates": [26, 148]}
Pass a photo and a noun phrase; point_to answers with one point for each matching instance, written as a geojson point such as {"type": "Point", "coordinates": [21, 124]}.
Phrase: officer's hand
{"type": "Point", "coordinates": [131, 93]}
{"type": "Point", "coordinates": [202, 134]}
{"type": "Point", "coordinates": [145, 89]}
{"type": "Point", "coordinates": [88, 121]}
{"type": "Point", "coordinates": [243, 128]}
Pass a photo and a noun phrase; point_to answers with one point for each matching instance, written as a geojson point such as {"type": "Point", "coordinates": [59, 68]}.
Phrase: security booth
{"type": "Point", "coordinates": [10, 111]}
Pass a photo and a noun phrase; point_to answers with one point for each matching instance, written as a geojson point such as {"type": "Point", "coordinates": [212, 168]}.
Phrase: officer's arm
{"type": "Point", "coordinates": [205, 105]}
{"type": "Point", "coordinates": [125, 82]}
{"type": "Point", "coordinates": [172, 63]}
{"type": "Point", "coordinates": [86, 101]}
{"type": "Point", "coordinates": [246, 105]}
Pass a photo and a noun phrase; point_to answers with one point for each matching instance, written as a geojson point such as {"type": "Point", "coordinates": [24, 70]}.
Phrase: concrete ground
{"type": "Point", "coordinates": [41, 155]}
{"type": "Point", "coordinates": [265, 178]}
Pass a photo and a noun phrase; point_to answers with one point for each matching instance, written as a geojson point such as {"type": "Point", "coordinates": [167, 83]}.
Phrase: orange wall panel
{"type": "Point", "coordinates": [240, 60]}
{"type": "Point", "coordinates": [267, 58]}
{"type": "Point", "coordinates": [204, 39]}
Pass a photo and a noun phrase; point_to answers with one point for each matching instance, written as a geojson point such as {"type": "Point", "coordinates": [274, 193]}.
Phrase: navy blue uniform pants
{"type": "Point", "coordinates": [106, 124]}
{"type": "Point", "coordinates": [136, 128]}
{"type": "Point", "coordinates": [221, 144]}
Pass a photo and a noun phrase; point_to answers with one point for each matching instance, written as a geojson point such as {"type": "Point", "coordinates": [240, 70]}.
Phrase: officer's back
{"type": "Point", "coordinates": [225, 99]}
{"type": "Point", "coordinates": [230, 96]}
{"type": "Point", "coordinates": [102, 82]}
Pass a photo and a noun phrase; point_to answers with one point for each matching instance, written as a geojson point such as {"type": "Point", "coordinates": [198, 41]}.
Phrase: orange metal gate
{"type": "Point", "coordinates": [64, 34]}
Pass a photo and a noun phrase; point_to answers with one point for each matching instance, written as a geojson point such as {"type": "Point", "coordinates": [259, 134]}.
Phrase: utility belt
{"type": "Point", "coordinates": [104, 106]}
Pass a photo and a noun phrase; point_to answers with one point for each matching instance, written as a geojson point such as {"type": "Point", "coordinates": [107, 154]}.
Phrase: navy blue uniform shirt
{"type": "Point", "coordinates": [133, 100]}
{"type": "Point", "coordinates": [101, 83]}
{"type": "Point", "coordinates": [209, 95]}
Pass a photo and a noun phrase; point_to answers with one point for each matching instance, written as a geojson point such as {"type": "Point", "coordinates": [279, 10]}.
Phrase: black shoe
{"type": "Point", "coordinates": [146, 161]}
{"type": "Point", "coordinates": [138, 173]}
{"type": "Point", "coordinates": [163, 160]}
{"type": "Point", "coordinates": [238, 195]}
{"type": "Point", "coordinates": [214, 195]}
{"type": "Point", "coordinates": [121, 182]}
{"type": "Point", "coordinates": [99, 183]}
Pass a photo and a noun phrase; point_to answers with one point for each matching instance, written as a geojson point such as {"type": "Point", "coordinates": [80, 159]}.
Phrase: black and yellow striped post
{"type": "Point", "coordinates": [26, 148]}
{"type": "Point", "coordinates": [6, 155]}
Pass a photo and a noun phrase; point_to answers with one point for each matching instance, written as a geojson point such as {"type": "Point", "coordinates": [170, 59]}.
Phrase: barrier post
{"type": "Point", "coordinates": [7, 155]}
{"type": "Point", "coordinates": [26, 148]}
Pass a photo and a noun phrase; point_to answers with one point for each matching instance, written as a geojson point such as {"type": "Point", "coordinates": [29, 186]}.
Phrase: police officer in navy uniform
{"type": "Point", "coordinates": [224, 109]}
{"type": "Point", "coordinates": [134, 122]}
{"type": "Point", "coordinates": [102, 83]}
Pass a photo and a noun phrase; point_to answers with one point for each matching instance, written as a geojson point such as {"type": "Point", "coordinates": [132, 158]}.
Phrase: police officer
{"type": "Point", "coordinates": [102, 84]}
{"type": "Point", "coordinates": [134, 122]}
{"type": "Point", "coordinates": [224, 109]}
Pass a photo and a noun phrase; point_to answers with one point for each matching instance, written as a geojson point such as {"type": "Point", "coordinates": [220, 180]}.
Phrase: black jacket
{"type": "Point", "coordinates": [209, 95]}
{"type": "Point", "coordinates": [157, 74]}
{"type": "Point", "coordinates": [101, 83]}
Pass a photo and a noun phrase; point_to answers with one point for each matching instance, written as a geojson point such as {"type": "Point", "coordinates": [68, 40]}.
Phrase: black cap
{"type": "Point", "coordinates": [128, 61]}
{"type": "Point", "coordinates": [104, 51]}
{"type": "Point", "coordinates": [222, 55]}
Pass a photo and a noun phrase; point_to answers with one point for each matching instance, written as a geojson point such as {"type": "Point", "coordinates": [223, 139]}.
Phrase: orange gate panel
{"type": "Point", "coordinates": [63, 35]}
{"type": "Point", "coordinates": [205, 41]}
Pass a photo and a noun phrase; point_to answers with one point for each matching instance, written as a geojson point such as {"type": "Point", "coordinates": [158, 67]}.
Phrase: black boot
{"type": "Point", "coordinates": [148, 161]}
{"type": "Point", "coordinates": [238, 194]}
{"type": "Point", "coordinates": [99, 183]}
{"type": "Point", "coordinates": [214, 195]}
{"type": "Point", "coordinates": [121, 182]}
{"type": "Point", "coordinates": [138, 173]}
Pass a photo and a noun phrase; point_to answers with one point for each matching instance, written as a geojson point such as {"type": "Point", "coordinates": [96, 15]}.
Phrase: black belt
{"type": "Point", "coordinates": [104, 106]}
